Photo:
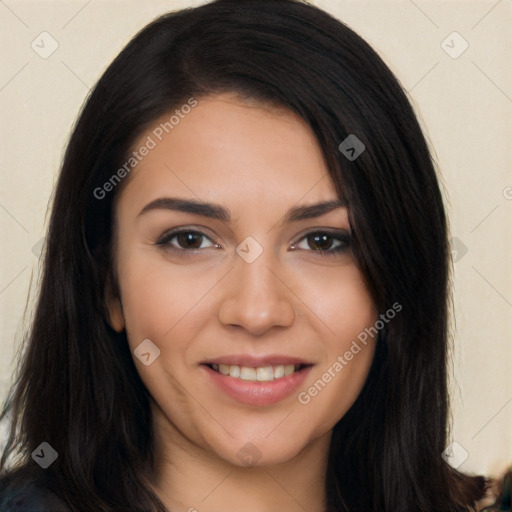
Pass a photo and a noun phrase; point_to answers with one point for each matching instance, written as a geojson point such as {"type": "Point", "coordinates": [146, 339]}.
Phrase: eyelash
{"type": "Point", "coordinates": [342, 237]}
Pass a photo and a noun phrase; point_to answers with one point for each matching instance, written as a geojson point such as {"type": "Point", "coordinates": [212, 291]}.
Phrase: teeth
{"type": "Point", "coordinates": [279, 371]}
{"type": "Point", "coordinates": [234, 371]}
{"type": "Point", "coordinates": [224, 369]}
{"type": "Point", "coordinates": [247, 373]}
{"type": "Point", "coordinates": [260, 374]}
{"type": "Point", "coordinates": [265, 373]}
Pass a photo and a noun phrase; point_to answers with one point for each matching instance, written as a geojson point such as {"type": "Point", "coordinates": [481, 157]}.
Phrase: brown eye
{"type": "Point", "coordinates": [324, 243]}
{"type": "Point", "coordinates": [320, 242]}
{"type": "Point", "coordinates": [185, 240]}
{"type": "Point", "coordinates": [189, 240]}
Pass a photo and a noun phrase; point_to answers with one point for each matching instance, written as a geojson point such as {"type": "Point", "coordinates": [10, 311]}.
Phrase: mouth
{"type": "Point", "coordinates": [267, 373]}
{"type": "Point", "coordinates": [256, 381]}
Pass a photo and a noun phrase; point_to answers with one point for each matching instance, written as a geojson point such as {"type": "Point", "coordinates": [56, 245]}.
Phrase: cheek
{"type": "Point", "coordinates": [145, 298]}
{"type": "Point", "coordinates": [168, 305]}
{"type": "Point", "coordinates": [347, 312]}
{"type": "Point", "coordinates": [159, 297]}
{"type": "Point", "coordinates": [341, 300]}
{"type": "Point", "coordinates": [350, 312]}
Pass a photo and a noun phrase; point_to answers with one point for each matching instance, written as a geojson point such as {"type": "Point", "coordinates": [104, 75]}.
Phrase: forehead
{"type": "Point", "coordinates": [228, 150]}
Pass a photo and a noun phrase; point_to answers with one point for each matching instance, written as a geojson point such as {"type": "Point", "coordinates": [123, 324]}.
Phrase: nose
{"type": "Point", "coordinates": [256, 297]}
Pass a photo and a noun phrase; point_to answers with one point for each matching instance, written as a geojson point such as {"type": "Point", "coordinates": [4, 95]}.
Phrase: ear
{"type": "Point", "coordinates": [115, 315]}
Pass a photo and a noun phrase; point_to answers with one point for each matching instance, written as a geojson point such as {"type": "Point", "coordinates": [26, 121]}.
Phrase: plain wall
{"type": "Point", "coordinates": [464, 103]}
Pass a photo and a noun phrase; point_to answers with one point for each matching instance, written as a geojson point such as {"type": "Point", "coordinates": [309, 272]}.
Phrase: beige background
{"type": "Point", "coordinates": [465, 104]}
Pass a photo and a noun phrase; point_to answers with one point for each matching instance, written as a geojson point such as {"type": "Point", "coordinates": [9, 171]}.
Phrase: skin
{"type": "Point", "coordinates": [257, 162]}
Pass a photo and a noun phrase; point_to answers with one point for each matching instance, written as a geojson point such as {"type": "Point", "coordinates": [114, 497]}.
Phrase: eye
{"type": "Point", "coordinates": [324, 242]}
{"type": "Point", "coordinates": [185, 240]}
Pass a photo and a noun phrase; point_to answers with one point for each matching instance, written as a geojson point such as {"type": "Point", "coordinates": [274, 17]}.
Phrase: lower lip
{"type": "Point", "coordinates": [255, 392]}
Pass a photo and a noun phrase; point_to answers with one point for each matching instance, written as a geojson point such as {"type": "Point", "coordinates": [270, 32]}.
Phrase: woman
{"type": "Point", "coordinates": [245, 290]}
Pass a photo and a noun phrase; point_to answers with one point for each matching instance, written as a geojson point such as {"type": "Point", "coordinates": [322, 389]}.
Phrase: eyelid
{"type": "Point", "coordinates": [339, 233]}
{"type": "Point", "coordinates": [343, 236]}
{"type": "Point", "coordinates": [164, 239]}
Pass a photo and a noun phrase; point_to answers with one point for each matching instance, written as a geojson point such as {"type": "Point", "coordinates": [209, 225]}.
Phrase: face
{"type": "Point", "coordinates": [238, 289]}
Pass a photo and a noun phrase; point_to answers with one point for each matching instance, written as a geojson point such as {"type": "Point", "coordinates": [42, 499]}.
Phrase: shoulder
{"type": "Point", "coordinates": [28, 494]}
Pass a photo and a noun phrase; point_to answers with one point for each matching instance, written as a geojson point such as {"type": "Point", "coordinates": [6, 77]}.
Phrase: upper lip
{"type": "Point", "coordinates": [256, 361]}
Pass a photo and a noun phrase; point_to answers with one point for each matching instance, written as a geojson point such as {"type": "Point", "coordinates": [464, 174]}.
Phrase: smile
{"type": "Point", "coordinates": [259, 374]}
{"type": "Point", "coordinates": [255, 385]}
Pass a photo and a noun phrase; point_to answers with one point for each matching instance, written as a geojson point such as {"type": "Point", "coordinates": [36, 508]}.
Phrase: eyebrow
{"type": "Point", "coordinates": [218, 212]}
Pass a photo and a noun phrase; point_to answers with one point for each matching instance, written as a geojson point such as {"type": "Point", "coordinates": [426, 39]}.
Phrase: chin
{"type": "Point", "coordinates": [260, 453]}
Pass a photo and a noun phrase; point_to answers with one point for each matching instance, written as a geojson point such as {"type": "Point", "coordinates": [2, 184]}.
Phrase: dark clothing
{"type": "Point", "coordinates": [28, 495]}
